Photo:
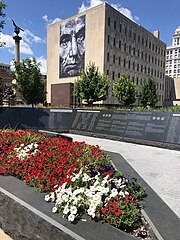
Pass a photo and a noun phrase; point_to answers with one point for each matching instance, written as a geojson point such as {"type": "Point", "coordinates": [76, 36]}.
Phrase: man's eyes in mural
{"type": "Point", "coordinates": [65, 39]}
{"type": "Point", "coordinates": [80, 35]}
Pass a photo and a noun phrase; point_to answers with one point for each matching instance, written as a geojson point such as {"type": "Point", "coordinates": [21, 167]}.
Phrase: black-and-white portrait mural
{"type": "Point", "coordinates": [72, 47]}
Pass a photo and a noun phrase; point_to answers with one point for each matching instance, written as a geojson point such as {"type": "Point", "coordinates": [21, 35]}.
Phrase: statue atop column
{"type": "Point", "coordinates": [17, 40]}
{"type": "Point", "coordinates": [16, 28]}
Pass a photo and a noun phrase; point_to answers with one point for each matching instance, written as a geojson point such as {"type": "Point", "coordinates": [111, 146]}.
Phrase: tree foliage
{"type": "Point", "coordinates": [124, 90]}
{"type": "Point", "coordinates": [29, 81]}
{"type": "Point", "coordinates": [92, 86]}
{"type": "Point", "coordinates": [148, 94]}
{"type": "Point", "coordinates": [2, 14]}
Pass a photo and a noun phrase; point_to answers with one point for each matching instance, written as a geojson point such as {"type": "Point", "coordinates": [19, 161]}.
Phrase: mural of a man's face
{"type": "Point", "coordinates": [72, 47]}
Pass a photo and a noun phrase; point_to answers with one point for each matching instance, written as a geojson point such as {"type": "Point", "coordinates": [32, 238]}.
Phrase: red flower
{"type": "Point", "coordinates": [103, 210]}
{"type": "Point", "coordinates": [118, 212]}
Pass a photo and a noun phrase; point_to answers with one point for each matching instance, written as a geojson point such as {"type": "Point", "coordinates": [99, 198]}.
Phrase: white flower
{"type": "Point", "coordinates": [47, 198]}
{"type": "Point", "coordinates": [68, 191]}
{"type": "Point", "coordinates": [66, 209]}
{"type": "Point", "coordinates": [121, 193]}
{"type": "Point", "coordinates": [71, 218]}
{"type": "Point", "coordinates": [97, 197]}
{"type": "Point", "coordinates": [73, 179]}
{"type": "Point", "coordinates": [54, 209]}
{"type": "Point", "coordinates": [85, 177]}
{"type": "Point", "coordinates": [91, 212]}
{"type": "Point", "coordinates": [114, 192]}
{"type": "Point", "coordinates": [73, 210]}
{"type": "Point", "coordinates": [65, 198]}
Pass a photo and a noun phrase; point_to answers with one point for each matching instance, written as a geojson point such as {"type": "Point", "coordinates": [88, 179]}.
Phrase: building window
{"type": "Point", "coordinates": [119, 75]}
{"type": "Point", "coordinates": [114, 43]}
{"type": "Point", "coordinates": [130, 32]}
{"type": "Point", "coordinates": [142, 41]}
{"type": "Point", "coordinates": [152, 59]}
{"type": "Point", "coordinates": [141, 68]}
{"type": "Point", "coordinates": [146, 42]}
{"type": "Point", "coordinates": [113, 75]}
{"type": "Point", "coordinates": [125, 47]}
{"type": "Point", "coordinates": [108, 39]}
{"type": "Point", "coordinates": [138, 67]}
{"type": "Point", "coordinates": [149, 45]}
{"type": "Point", "coordinates": [124, 62]}
{"type": "Point", "coordinates": [108, 56]}
{"type": "Point", "coordinates": [151, 72]}
{"type": "Point", "coordinates": [119, 44]}
{"type": "Point", "coordinates": [129, 48]}
{"type": "Point", "coordinates": [137, 80]}
{"type": "Point", "coordinates": [115, 25]}
{"type": "Point", "coordinates": [107, 72]}
{"type": "Point", "coordinates": [114, 58]}
{"type": "Point", "coordinates": [134, 36]}
{"type": "Point", "coordinates": [109, 21]}
{"type": "Point", "coordinates": [153, 47]}
{"type": "Point", "coordinates": [138, 39]}
{"type": "Point", "coordinates": [142, 55]}
{"type": "Point", "coordinates": [134, 51]}
{"type": "Point", "coordinates": [119, 60]}
{"type": "Point", "coordinates": [129, 64]}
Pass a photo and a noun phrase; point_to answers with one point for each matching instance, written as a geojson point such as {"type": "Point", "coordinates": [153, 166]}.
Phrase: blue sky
{"type": "Point", "coordinates": [34, 16]}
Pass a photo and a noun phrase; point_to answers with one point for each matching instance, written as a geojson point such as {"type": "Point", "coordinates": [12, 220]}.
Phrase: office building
{"type": "Point", "coordinates": [112, 41]}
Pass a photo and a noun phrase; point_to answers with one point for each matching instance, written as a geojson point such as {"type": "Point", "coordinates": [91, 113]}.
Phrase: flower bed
{"type": "Point", "coordinates": [79, 178]}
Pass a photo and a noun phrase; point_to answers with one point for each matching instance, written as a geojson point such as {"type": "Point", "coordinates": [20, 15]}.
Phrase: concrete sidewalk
{"type": "Point", "coordinates": [159, 167]}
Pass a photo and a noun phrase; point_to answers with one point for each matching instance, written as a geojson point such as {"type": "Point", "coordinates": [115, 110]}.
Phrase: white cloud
{"type": "Point", "coordinates": [7, 39]}
{"type": "Point", "coordinates": [24, 46]}
{"type": "Point", "coordinates": [92, 3]}
{"type": "Point", "coordinates": [50, 21]}
{"type": "Point", "coordinates": [29, 37]}
{"type": "Point", "coordinates": [43, 63]}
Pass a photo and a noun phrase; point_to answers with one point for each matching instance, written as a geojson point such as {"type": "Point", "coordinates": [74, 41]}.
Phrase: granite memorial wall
{"type": "Point", "coordinates": [154, 128]}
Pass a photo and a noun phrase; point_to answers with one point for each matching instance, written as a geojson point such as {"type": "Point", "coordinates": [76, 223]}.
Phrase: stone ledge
{"type": "Point", "coordinates": [25, 215]}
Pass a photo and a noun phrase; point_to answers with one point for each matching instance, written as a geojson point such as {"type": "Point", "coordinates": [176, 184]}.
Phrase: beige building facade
{"type": "Point", "coordinates": [116, 44]}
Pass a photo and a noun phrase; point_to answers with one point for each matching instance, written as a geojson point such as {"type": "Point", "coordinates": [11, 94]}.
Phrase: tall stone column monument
{"type": "Point", "coordinates": [17, 40]}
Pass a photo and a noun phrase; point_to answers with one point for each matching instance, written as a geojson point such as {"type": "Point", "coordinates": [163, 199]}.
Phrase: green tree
{"type": "Point", "coordinates": [2, 15]}
{"type": "Point", "coordinates": [92, 86]}
{"type": "Point", "coordinates": [148, 95]}
{"type": "Point", "coordinates": [124, 90]}
{"type": "Point", "coordinates": [29, 81]}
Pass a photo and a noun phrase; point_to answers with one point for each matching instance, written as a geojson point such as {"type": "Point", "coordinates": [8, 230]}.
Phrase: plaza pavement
{"type": "Point", "coordinates": [159, 167]}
